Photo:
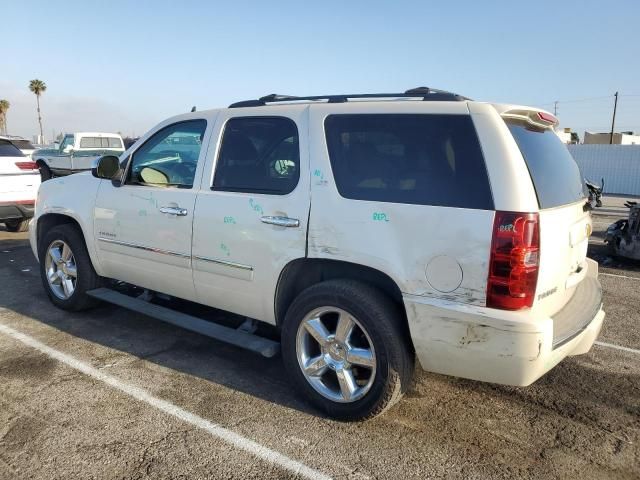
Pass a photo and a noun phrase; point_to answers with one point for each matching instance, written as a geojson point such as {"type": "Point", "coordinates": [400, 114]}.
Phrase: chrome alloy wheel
{"type": "Point", "coordinates": [335, 354]}
{"type": "Point", "coordinates": [60, 266]}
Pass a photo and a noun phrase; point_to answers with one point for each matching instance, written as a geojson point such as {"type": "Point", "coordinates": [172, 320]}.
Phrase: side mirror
{"type": "Point", "coordinates": [106, 167]}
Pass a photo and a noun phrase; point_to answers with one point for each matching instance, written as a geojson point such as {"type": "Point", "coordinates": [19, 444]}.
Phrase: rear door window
{"type": "Point", "coordinates": [423, 159]}
{"type": "Point", "coordinates": [258, 155]}
{"type": "Point", "coordinates": [555, 174]}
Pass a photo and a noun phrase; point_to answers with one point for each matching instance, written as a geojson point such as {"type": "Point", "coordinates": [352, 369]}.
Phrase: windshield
{"type": "Point", "coordinates": [555, 174]}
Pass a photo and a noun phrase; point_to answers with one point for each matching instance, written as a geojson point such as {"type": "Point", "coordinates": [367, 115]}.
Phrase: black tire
{"type": "Point", "coordinates": [17, 225]}
{"type": "Point", "coordinates": [45, 172]}
{"type": "Point", "coordinates": [87, 278]}
{"type": "Point", "coordinates": [384, 323]}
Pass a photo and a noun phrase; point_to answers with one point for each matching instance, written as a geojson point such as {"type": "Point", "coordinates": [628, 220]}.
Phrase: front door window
{"type": "Point", "coordinates": [170, 157]}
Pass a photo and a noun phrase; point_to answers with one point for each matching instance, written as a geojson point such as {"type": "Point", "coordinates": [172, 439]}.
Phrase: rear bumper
{"type": "Point", "coordinates": [511, 348]}
{"type": "Point", "coordinates": [16, 211]}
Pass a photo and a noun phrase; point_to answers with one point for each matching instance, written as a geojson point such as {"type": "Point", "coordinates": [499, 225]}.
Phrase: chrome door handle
{"type": "Point", "coordinates": [281, 221]}
{"type": "Point", "coordinates": [177, 211]}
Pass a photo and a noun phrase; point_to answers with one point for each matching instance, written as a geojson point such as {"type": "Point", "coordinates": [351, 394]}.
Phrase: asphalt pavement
{"type": "Point", "coordinates": [114, 394]}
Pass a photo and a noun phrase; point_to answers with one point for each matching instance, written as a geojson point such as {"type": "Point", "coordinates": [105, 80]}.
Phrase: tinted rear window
{"type": "Point", "coordinates": [407, 158]}
{"type": "Point", "coordinates": [8, 150]}
{"type": "Point", "coordinates": [555, 174]}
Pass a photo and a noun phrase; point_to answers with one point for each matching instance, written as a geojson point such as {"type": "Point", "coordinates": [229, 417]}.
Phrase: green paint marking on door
{"type": "Point", "coordinates": [255, 206]}
{"type": "Point", "coordinates": [230, 220]}
{"type": "Point", "coordinates": [380, 217]}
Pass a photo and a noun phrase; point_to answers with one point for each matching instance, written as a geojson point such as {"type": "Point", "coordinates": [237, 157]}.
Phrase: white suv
{"type": "Point", "coordinates": [19, 182]}
{"type": "Point", "coordinates": [367, 229]}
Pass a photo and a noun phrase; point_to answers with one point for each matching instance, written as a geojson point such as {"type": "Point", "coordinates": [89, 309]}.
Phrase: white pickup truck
{"type": "Point", "coordinates": [77, 153]}
{"type": "Point", "coordinates": [367, 233]}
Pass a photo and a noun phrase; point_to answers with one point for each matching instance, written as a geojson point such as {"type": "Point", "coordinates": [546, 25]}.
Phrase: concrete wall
{"type": "Point", "coordinates": [619, 165]}
{"type": "Point", "coordinates": [605, 138]}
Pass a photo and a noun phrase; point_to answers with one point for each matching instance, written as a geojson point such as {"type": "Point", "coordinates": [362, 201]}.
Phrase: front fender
{"type": "Point", "coordinates": [73, 197]}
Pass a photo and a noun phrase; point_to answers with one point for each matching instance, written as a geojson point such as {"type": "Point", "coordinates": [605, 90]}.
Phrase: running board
{"type": "Point", "coordinates": [263, 346]}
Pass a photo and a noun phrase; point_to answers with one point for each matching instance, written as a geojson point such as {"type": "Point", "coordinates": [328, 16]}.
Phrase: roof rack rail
{"type": "Point", "coordinates": [427, 94]}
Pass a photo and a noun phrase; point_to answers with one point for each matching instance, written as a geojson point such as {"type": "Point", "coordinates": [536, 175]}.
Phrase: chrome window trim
{"type": "Point", "coordinates": [145, 248]}
{"type": "Point", "coordinates": [225, 263]}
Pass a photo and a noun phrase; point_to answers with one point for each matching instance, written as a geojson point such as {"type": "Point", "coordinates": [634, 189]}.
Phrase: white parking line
{"type": "Point", "coordinates": [617, 347]}
{"type": "Point", "coordinates": [141, 395]}
{"type": "Point", "coordinates": [618, 276]}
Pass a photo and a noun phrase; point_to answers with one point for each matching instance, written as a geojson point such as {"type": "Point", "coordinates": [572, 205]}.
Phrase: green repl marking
{"type": "Point", "coordinates": [319, 176]}
{"type": "Point", "coordinates": [255, 206]}
{"type": "Point", "coordinates": [225, 249]}
{"type": "Point", "coordinates": [230, 220]}
{"type": "Point", "coordinates": [380, 217]}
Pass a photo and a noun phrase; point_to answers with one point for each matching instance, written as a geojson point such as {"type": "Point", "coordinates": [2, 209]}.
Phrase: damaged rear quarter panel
{"type": "Point", "coordinates": [404, 244]}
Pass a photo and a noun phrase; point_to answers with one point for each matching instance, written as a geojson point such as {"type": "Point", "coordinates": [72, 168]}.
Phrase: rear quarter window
{"type": "Point", "coordinates": [555, 174]}
{"type": "Point", "coordinates": [423, 159]}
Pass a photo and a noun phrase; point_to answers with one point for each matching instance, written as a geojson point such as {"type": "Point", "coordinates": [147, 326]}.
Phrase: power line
{"type": "Point", "coordinates": [587, 99]}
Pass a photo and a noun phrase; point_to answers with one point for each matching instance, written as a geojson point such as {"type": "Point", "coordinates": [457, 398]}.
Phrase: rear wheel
{"type": "Point", "coordinates": [21, 225]}
{"type": "Point", "coordinates": [66, 269]}
{"type": "Point", "coordinates": [344, 346]}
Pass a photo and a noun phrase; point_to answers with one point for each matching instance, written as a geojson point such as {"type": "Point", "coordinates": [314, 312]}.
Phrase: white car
{"type": "Point", "coordinates": [369, 229]}
{"type": "Point", "coordinates": [19, 182]}
{"type": "Point", "coordinates": [22, 144]}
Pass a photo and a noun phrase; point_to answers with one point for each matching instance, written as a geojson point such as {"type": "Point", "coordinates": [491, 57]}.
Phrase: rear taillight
{"type": "Point", "coordinates": [27, 165]}
{"type": "Point", "coordinates": [515, 255]}
{"type": "Point", "coordinates": [547, 118]}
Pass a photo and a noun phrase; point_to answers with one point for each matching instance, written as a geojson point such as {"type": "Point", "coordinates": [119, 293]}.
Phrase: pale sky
{"type": "Point", "coordinates": [125, 66]}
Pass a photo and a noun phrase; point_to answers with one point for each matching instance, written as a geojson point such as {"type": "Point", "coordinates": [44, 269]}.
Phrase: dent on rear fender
{"type": "Point", "coordinates": [473, 296]}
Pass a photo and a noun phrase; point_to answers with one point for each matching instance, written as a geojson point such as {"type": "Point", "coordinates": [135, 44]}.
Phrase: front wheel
{"type": "Point", "coordinates": [345, 347]}
{"type": "Point", "coordinates": [66, 269]}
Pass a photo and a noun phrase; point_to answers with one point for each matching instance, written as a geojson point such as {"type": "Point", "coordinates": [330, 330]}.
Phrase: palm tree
{"type": "Point", "coordinates": [4, 108]}
{"type": "Point", "coordinates": [38, 87]}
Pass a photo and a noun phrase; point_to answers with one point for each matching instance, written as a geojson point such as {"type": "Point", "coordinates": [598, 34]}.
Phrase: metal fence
{"type": "Point", "coordinates": [619, 165]}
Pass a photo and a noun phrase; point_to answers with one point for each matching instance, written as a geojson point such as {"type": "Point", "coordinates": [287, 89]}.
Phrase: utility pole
{"type": "Point", "coordinates": [555, 108]}
{"type": "Point", "coordinates": [613, 122]}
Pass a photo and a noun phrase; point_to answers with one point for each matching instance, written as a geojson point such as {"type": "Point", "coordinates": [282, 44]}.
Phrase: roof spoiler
{"type": "Point", "coordinates": [536, 118]}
